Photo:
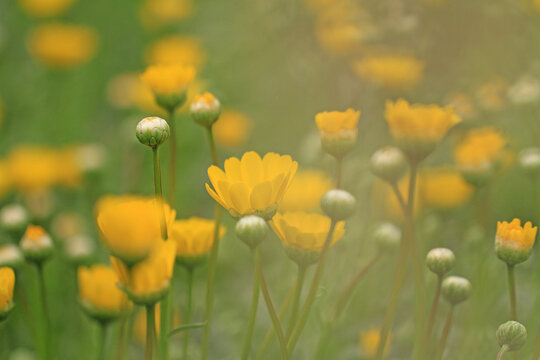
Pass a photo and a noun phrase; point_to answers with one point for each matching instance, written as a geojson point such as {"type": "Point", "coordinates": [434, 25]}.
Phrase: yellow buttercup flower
{"type": "Point", "coordinates": [61, 45]}
{"type": "Point", "coordinates": [444, 188]}
{"type": "Point", "coordinates": [176, 49]}
{"type": "Point", "coordinates": [306, 191]}
{"type": "Point", "coordinates": [131, 225]}
{"type": "Point", "coordinates": [32, 168]}
{"type": "Point", "coordinates": [233, 128]}
{"type": "Point", "coordinates": [147, 281]}
{"type": "Point", "coordinates": [45, 8]}
{"type": "Point", "coordinates": [252, 186]}
{"type": "Point", "coordinates": [161, 12]}
{"type": "Point", "coordinates": [168, 79]}
{"type": "Point", "coordinates": [194, 238]}
{"type": "Point", "coordinates": [99, 293]}
{"type": "Point", "coordinates": [7, 283]}
{"type": "Point", "coordinates": [303, 234]}
{"type": "Point", "coordinates": [390, 71]}
{"type": "Point", "coordinates": [369, 342]}
{"type": "Point", "coordinates": [513, 242]}
{"type": "Point", "coordinates": [338, 130]}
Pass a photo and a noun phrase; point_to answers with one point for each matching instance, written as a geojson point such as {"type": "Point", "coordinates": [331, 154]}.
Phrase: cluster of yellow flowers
{"type": "Point", "coordinates": [394, 71]}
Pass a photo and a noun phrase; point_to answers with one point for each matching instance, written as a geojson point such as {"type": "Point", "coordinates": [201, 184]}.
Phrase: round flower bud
{"type": "Point", "coordinates": [529, 160]}
{"type": "Point", "coordinates": [36, 244]}
{"type": "Point", "coordinates": [205, 109]}
{"type": "Point", "coordinates": [389, 164]}
{"type": "Point", "coordinates": [456, 289]}
{"type": "Point", "coordinates": [440, 260]}
{"type": "Point", "coordinates": [14, 218]}
{"type": "Point", "coordinates": [338, 204]}
{"type": "Point", "coordinates": [387, 236]}
{"type": "Point", "coordinates": [512, 334]}
{"type": "Point", "coordinates": [79, 249]}
{"type": "Point", "coordinates": [152, 131]}
{"type": "Point", "coordinates": [11, 256]}
{"type": "Point", "coordinates": [514, 242]}
{"type": "Point", "coordinates": [479, 175]}
{"type": "Point", "coordinates": [251, 230]}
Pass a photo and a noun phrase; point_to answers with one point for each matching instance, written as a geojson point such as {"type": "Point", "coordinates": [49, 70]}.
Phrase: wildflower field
{"type": "Point", "coordinates": [269, 179]}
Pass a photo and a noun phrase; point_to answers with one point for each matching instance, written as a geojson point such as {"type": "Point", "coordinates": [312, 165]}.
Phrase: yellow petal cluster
{"type": "Point", "coordinates": [369, 342]}
{"type": "Point", "coordinates": [306, 191]}
{"type": "Point", "coordinates": [336, 122]}
{"type": "Point", "coordinates": [98, 289]}
{"type": "Point", "coordinates": [130, 225]}
{"type": "Point", "coordinates": [168, 79]}
{"type": "Point", "coordinates": [390, 71]}
{"type": "Point", "coordinates": [233, 128]}
{"type": "Point", "coordinates": [7, 283]}
{"type": "Point", "coordinates": [194, 237]}
{"type": "Point", "coordinates": [480, 147]}
{"type": "Point", "coordinates": [45, 8]}
{"type": "Point", "coordinates": [176, 49]}
{"type": "Point", "coordinates": [161, 12]}
{"type": "Point", "coordinates": [252, 185]}
{"type": "Point", "coordinates": [444, 188]}
{"type": "Point", "coordinates": [513, 235]}
{"type": "Point", "coordinates": [127, 90]}
{"type": "Point", "coordinates": [61, 45]}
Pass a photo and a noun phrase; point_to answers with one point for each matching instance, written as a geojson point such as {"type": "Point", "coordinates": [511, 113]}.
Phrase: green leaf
{"type": "Point", "coordinates": [187, 327]}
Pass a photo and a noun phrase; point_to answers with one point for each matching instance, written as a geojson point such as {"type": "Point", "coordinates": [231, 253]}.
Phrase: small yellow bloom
{"type": "Point", "coordinates": [36, 244]}
{"type": "Point", "coordinates": [233, 128]}
{"type": "Point", "coordinates": [444, 188]}
{"type": "Point", "coordinates": [7, 283]}
{"type": "Point", "coordinates": [369, 342]}
{"type": "Point", "coordinates": [390, 71]}
{"type": "Point", "coordinates": [33, 168]}
{"type": "Point", "coordinates": [61, 45]}
{"type": "Point", "coordinates": [513, 242]}
{"type": "Point", "coordinates": [99, 293]}
{"type": "Point", "coordinates": [45, 8]}
{"type": "Point", "coordinates": [162, 12]}
{"type": "Point", "coordinates": [127, 90]}
{"type": "Point", "coordinates": [168, 79]}
{"type": "Point", "coordinates": [252, 186]}
{"type": "Point", "coordinates": [306, 191]}
{"type": "Point", "coordinates": [338, 130]}
{"type": "Point", "coordinates": [131, 225]}
{"type": "Point", "coordinates": [342, 37]}
{"type": "Point", "coordinates": [174, 50]}
{"type": "Point", "coordinates": [480, 147]}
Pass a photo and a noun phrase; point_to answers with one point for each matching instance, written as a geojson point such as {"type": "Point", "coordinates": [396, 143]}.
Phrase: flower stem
{"type": "Point", "coordinates": [150, 331]}
{"type": "Point", "coordinates": [269, 305]}
{"type": "Point", "coordinates": [445, 333]}
{"type": "Point", "coordinates": [158, 189]}
{"type": "Point", "coordinates": [512, 292]}
{"type": "Point", "coordinates": [165, 324]}
{"type": "Point", "coordinates": [100, 348]}
{"type": "Point", "coordinates": [339, 171]}
{"type": "Point", "coordinates": [172, 158]}
{"type": "Point", "coordinates": [43, 317]}
{"type": "Point", "coordinates": [296, 300]}
{"type": "Point", "coordinates": [431, 320]}
{"type": "Point", "coordinates": [189, 309]}
{"type": "Point", "coordinates": [501, 352]}
{"type": "Point", "coordinates": [246, 348]}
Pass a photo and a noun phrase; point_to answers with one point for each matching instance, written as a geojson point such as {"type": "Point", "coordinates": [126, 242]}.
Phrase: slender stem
{"type": "Point", "coordinates": [122, 339]}
{"type": "Point", "coordinates": [312, 291]}
{"type": "Point", "coordinates": [150, 331]}
{"type": "Point", "coordinates": [212, 144]}
{"type": "Point", "coordinates": [445, 333]}
{"type": "Point", "coordinates": [158, 189]}
{"type": "Point", "coordinates": [269, 305]}
{"type": "Point", "coordinates": [501, 352]}
{"type": "Point", "coordinates": [246, 348]}
{"type": "Point", "coordinates": [44, 327]}
{"type": "Point", "coordinates": [339, 171]}
{"type": "Point", "coordinates": [189, 309]}
{"type": "Point", "coordinates": [431, 320]}
{"type": "Point", "coordinates": [165, 324]}
{"type": "Point", "coordinates": [512, 292]}
{"type": "Point", "coordinates": [172, 158]}
{"type": "Point", "coordinates": [102, 333]}
{"type": "Point", "coordinates": [399, 196]}
{"type": "Point", "coordinates": [296, 300]}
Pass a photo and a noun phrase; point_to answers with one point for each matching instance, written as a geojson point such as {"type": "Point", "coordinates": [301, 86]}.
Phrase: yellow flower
{"type": "Point", "coordinates": [390, 71]}
{"type": "Point", "coordinates": [36, 244]}
{"type": "Point", "coordinates": [174, 50]}
{"type": "Point", "coordinates": [6, 178]}
{"type": "Point", "coordinates": [61, 45]}
{"type": "Point", "coordinates": [127, 90]}
{"type": "Point", "coordinates": [99, 293]}
{"type": "Point", "coordinates": [369, 342]}
{"type": "Point", "coordinates": [306, 191]}
{"type": "Point", "coordinates": [45, 8]}
{"type": "Point", "coordinates": [32, 168]}
{"type": "Point", "coordinates": [194, 238]}
{"type": "Point", "coordinates": [462, 104]}
{"type": "Point", "coordinates": [492, 94]}
{"type": "Point", "coordinates": [7, 283]}
{"type": "Point", "coordinates": [303, 234]}
{"type": "Point", "coordinates": [338, 130]}
{"type": "Point", "coordinates": [147, 281]}
{"type": "Point", "coordinates": [481, 146]}
{"type": "Point", "coordinates": [513, 242]}
{"type": "Point", "coordinates": [252, 185]}
{"type": "Point", "coordinates": [233, 128]}
{"type": "Point", "coordinates": [160, 12]}
{"type": "Point", "coordinates": [444, 188]}
{"type": "Point", "coordinates": [131, 225]}
{"type": "Point", "coordinates": [168, 79]}
{"type": "Point", "coordinates": [342, 37]}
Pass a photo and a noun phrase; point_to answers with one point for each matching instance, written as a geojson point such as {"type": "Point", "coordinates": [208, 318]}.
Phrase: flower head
{"type": "Point", "coordinates": [513, 242]}
{"type": "Point", "coordinates": [176, 49]}
{"type": "Point", "coordinates": [152, 131]}
{"type": "Point", "coordinates": [369, 342]}
{"type": "Point", "coordinates": [456, 190]}
{"type": "Point", "coordinates": [7, 283]}
{"type": "Point", "coordinates": [306, 191]}
{"type": "Point", "coordinates": [45, 8]}
{"type": "Point", "coordinates": [10, 256]}
{"type": "Point", "coordinates": [205, 109]}
{"type": "Point", "coordinates": [338, 130]}
{"type": "Point", "coordinates": [252, 185]}
{"type": "Point", "coordinates": [36, 244]}
{"type": "Point", "coordinates": [162, 12]}
{"type": "Point", "coordinates": [233, 128]}
{"type": "Point", "coordinates": [390, 71]}
{"type": "Point", "coordinates": [169, 83]}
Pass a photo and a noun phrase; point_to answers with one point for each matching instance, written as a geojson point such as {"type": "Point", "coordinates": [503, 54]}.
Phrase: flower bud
{"type": "Point", "coordinates": [251, 230]}
{"type": "Point", "coordinates": [79, 249]}
{"type": "Point", "coordinates": [14, 218]}
{"type": "Point", "coordinates": [36, 244]}
{"type": "Point", "coordinates": [479, 175]}
{"type": "Point", "coordinates": [512, 334]}
{"type": "Point", "coordinates": [529, 160]}
{"type": "Point", "coordinates": [205, 109]}
{"type": "Point", "coordinates": [338, 204]}
{"type": "Point", "coordinates": [338, 131]}
{"type": "Point", "coordinates": [7, 283]}
{"type": "Point", "coordinates": [440, 260]}
{"type": "Point", "coordinates": [11, 256]}
{"type": "Point", "coordinates": [152, 131]}
{"type": "Point", "coordinates": [513, 242]}
{"type": "Point", "coordinates": [387, 236]}
{"type": "Point", "coordinates": [389, 164]}
{"type": "Point", "coordinates": [456, 289]}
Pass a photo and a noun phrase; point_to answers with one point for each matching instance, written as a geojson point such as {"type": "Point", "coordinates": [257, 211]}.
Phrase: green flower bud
{"type": "Point", "coordinates": [11, 256]}
{"type": "Point", "coordinates": [387, 236]}
{"type": "Point", "coordinates": [529, 160]}
{"type": "Point", "coordinates": [338, 204]}
{"type": "Point", "coordinates": [205, 109]}
{"type": "Point", "coordinates": [171, 102]}
{"type": "Point", "coordinates": [36, 244]}
{"type": "Point", "coordinates": [440, 260]}
{"type": "Point", "coordinates": [389, 164]}
{"type": "Point", "coordinates": [479, 175]}
{"type": "Point", "coordinates": [152, 131]}
{"type": "Point", "coordinates": [251, 230]}
{"type": "Point", "coordinates": [456, 289]}
{"type": "Point", "coordinates": [512, 334]}
{"type": "Point", "coordinates": [14, 218]}
{"type": "Point", "coordinates": [79, 249]}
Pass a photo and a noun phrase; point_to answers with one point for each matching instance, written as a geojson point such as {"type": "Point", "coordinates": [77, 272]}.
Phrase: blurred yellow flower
{"type": "Point", "coordinates": [45, 8]}
{"type": "Point", "coordinates": [176, 49]}
{"type": "Point", "coordinates": [369, 342]}
{"type": "Point", "coordinates": [341, 37]}
{"type": "Point", "coordinates": [7, 283]}
{"type": "Point", "coordinates": [131, 225]}
{"type": "Point", "coordinates": [162, 12]}
{"type": "Point", "coordinates": [252, 185]}
{"type": "Point", "coordinates": [338, 130]}
{"type": "Point", "coordinates": [480, 147]}
{"type": "Point", "coordinates": [306, 190]}
{"type": "Point", "coordinates": [491, 95]}
{"type": "Point", "coordinates": [462, 104]}
{"type": "Point", "coordinates": [168, 79]}
{"type": "Point", "coordinates": [513, 242]}
{"type": "Point", "coordinates": [6, 178]}
{"type": "Point", "coordinates": [391, 71]}
{"type": "Point", "coordinates": [127, 90]}
{"type": "Point", "coordinates": [444, 188]}
{"type": "Point", "coordinates": [232, 129]}
{"type": "Point", "coordinates": [61, 45]}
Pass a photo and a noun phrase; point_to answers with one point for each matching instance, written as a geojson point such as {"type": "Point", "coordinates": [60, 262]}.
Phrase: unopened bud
{"type": "Point", "coordinates": [14, 217]}
{"type": "Point", "coordinates": [36, 244]}
{"type": "Point", "coordinates": [387, 236]}
{"type": "Point", "coordinates": [529, 160]}
{"type": "Point", "coordinates": [251, 230]}
{"type": "Point", "coordinates": [11, 256]}
{"type": "Point", "coordinates": [456, 289]}
{"type": "Point", "coordinates": [389, 164]}
{"type": "Point", "coordinates": [440, 260]}
{"type": "Point", "coordinates": [512, 334]}
{"type": "Point", "coordinates": [338, 204]}
{"type": "Point", "coordinates": [205, 109]}
{"type": "Point", "coordinates": [152, 131]}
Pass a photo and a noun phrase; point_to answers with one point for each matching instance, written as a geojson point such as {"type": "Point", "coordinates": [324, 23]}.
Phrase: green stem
{"type": "Point", "coordinates": [431, 320]}
{"type": "Point", "coordinates": [503, 350]}
{"type": "Point", "coordinates": [312, 291]}
{"type": "Point", "coordinates": [122, 339]}
{"type": "Point", "coordinates": [269, 305]}
{"type": "Point", "coordinates": [102, 333]}
{"type": "Point", "coordinates": [246, 348]}
{"type": "Point", "coordinates": [165, 324]}
{"type": "Point", "coordinates": [512, 292]}
{"type": "Point", "coordinates": [158, 189]}
{"type": "Point", "coordinates": [339, 171]}
{"type": "Point", "coordinates": [445, 333]}
{"type": "Point", "coordinates": [172, 158]}
{"type": "Point", "coordinates": [189, 309]}
{"type": "Point", "coordinates": [43, 316]}
{"type": "Point", "coordinates": [296, 300]}
{"type": "Point", "coordinates": [150, 331]}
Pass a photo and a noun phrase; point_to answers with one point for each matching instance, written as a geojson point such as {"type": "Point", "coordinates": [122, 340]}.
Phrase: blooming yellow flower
{"type": "Point", "coordinates": [176, 49]}
{"type": "Point", "coordinates": [131, 225]}
{"type": "Point", "coordinates": [7, 283]}
{"type": "Point", "coordinates": [61, 45]}
{"type": "Point", "coordinates": [369, 342]}
{"type": "Point", "coordinates": [233, 128]}
{"type": "Point", "coordinates": [306, 191]}
{"type": "Point", "coordinates": [252, 185]}
{"type": "Point", "coordinates": [338, 130]}
{"type": "Point", "coordinates": [147, 281]}
{"type": "Point", "coordinates": [513, 242]}
{"type": "Point", "coordinates": [99, 293]}
{"type": "Point", "coordinates": [303, 234]}
{"type": "Point", "coordinates": [444, 188]}
{"type": "Point", "coordinates": [393, 71]}
{"type": "Point", "coordinates": [162, 12]}
{"type": "Point", "coordinates": [168, 79]}
{"type": "Point", "coordinates": [45, 8]}
{"type": "Point", "coordinates": [194, 238]}
{"type": "Point", "coordinates": [481, 146]}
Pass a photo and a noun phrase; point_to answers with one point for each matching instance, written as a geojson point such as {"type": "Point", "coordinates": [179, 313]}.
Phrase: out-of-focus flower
{"type": "Point", "coordinates": [147, 281]}
{"type": "Point", "coordinates": [369, 342]}
{"type": "Point", "coordinates": [14, 218]}
{"type": "Point", "coordinates": [36, 244]}
{"type": "Point", "coordinates": [79, 249]}
{"type": "Point", "coordinates": [131, 225]}
{"type": "Point", "coordinates": [99, 294]}
{"type": "Point", "coordinates": [463, 104]}
{"type": "Point", "coordinates": [7, 283]}
{"type": "Point", "coordinates": [338, 130]}
{"type": "Point", "coordinates": [233, 128]}
{"type": "Point", "coordinates": [252, 186]}
{"type": "Point", "coordinates": [67, 224]}
{"type": "Point", "coordinates": [338, 204]}
{"type": "Point", "coordinates": [342, 37]}
{"type": "Point", "coordinates": [163, 12]}
{"type": "Point", "coordinates": [444, 188]}
{"type": "Point", "coordinates": [176, 50]}
{"type": "Point", "coordinates": [536, 4]}
{"type": "Point", "coordinates": [45, 8]}
{"type": "Point", "coordinates": [529, 160]}
{"type": "Point", "coordinates": [306, 191]}
{"type": "Point", "coordinates": [303, 234]}
{"type": "Point", "coordinates": [11, 256]}
{"type": "Point", "coordinates": [390, 71]}
{"type": "Point", "coordinates": [525, 90]}
{"type": "Point", "coordinates": [169, 83]}
{"type": "Point", "coordinates": [491, 95]}
{"type": "Point", "coordinates": [513, 242]}
{"type": "Point", "coordinates": [205, 109]}
{"type": "Point", "coordinates": [418, 128]}
{"type": "Point", "coordinates": [40, 203]}
{"type": "Point", "coordinates": [90, 157]}
{"type": "Point", "coordinates": [389, 163]}
{"type": "Point", "coordinates": [127, 90]}
{"type": "Point", "coordinates": [61, 45]}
